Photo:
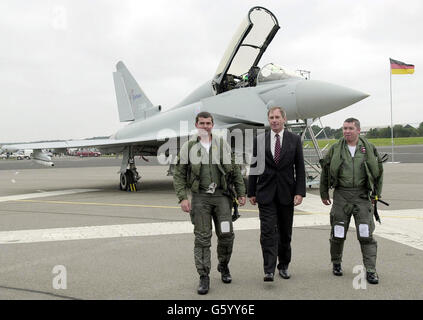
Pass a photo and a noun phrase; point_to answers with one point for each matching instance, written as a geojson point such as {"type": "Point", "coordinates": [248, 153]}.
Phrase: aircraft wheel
{"type": "Point", "coordinates": [127, 181]}
{"type": "Point", "coordinates": [123, 181]}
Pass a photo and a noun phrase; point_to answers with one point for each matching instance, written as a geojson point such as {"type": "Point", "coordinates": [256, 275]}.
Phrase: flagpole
{"type": "Point", "coordinates": [397, 67]}
{"type": "Point", "coordinates": [392, 125]}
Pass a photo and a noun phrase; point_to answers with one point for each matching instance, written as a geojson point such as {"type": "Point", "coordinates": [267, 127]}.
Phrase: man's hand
{"type": "Point", "coordinates": [326, 201]}
{"type": "Point", "coordinates": [298, 199]}
{"type": "Point", "coordinates": [253, 201]}
{"type": "Point", "coordinates": [242, 200]}
{"type": "Point", "coordinates": [186, 205]}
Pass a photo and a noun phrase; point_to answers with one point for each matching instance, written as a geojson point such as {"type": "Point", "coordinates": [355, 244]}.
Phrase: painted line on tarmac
{"type": "Point", "coordinates": [129, 230]}
{"type": "Point", "coordinates": [94, 232]}
{"type": "Point", "coordinates": [45, 194]}
{"type": "Point", "coordinates": [112, 204]}
{"type": "Point", "coordinates": [397, 225]}
{"type": "Point", "coordinates": [99, 204]}
{"type": "Point", "coordinates": [297, 212]}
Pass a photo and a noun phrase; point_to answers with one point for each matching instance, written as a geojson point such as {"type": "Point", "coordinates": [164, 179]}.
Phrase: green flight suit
{"type": "Point", "coordinates": [353, 179]}
{"type": "Point", "coordinates": [195, 170]}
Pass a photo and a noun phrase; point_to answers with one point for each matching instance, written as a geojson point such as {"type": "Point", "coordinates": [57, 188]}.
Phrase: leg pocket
{"type": "Point", "coordinates": [339, 222]}
{"type": "Point", "coordinates": [364, 221]}
{"type": "Point", "coordinates": [339, 231]}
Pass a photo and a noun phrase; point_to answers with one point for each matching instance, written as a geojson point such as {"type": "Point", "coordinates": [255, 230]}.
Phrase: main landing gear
{"type": "Point", "coordinates": [128, 172]}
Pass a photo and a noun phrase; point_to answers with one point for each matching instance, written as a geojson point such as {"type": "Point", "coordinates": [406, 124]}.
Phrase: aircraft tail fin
{"type": "Point", "coordinates": [132, 102]}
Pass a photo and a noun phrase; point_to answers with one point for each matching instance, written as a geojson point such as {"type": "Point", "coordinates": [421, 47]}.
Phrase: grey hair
{"type": "Point", "coordinates": [283, 113]}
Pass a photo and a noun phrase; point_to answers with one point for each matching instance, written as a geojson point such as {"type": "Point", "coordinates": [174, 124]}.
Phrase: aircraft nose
{"type": "Point", "coordinates": [318, 98]}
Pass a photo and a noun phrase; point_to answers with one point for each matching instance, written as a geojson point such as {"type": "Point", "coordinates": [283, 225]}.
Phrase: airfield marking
{"type": "Point", "coordinates": [141, 205]}
{"type": "Point", "coordinates": [99, 204]}
{"type": "Point", "coordinates": [311, 205]}
{"type": "Point", "coordinates": [127, 230]}
{"type": "Point", "coordinates": [297, 211]}
{"type": "Point", "coordinates": [45, 194]}
{"type": "Point", "coordinates": [397, 225]}
{"type": "Point", "coordinates": [111, 204]}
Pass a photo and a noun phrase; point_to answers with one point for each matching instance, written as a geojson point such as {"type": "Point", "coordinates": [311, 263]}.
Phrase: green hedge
{"type": "Point", "coordinates": [377, 142]}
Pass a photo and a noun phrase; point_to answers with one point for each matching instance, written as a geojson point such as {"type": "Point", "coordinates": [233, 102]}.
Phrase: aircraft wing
{"type": "Point", "coordinates": [142, 145]}
{"type": "Point", "coordinates": [97, 143]}
{"type": "Point", "coordinates": [151, 139]}
{"type": "Point", "coordinates": [146, 144]}
{"type": "Point", "coordinates": [54, 145]}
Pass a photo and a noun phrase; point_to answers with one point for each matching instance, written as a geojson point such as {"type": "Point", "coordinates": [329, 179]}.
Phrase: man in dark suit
{"type": "Point", "coordinates": [277, 189]}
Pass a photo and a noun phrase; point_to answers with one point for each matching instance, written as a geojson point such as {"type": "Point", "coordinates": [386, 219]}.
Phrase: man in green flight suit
{"type": "Point", "coordinates": [354, 169]}
{"type": "Point", "coordinates": [207, 167]}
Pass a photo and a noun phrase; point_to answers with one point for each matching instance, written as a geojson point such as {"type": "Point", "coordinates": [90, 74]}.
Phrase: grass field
{"type": "Point", "coordinates": [377, 142]}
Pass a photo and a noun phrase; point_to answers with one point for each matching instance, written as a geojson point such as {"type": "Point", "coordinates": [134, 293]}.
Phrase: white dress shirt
{"type": "Point", "coordinates": [273, 140]}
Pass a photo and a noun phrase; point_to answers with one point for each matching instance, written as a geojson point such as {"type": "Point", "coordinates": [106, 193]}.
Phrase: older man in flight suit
{"type": "Point", "coordinates": [354, 169]}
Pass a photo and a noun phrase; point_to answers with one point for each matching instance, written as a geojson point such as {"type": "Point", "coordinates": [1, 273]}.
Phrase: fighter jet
{"type": "Point", "coordinates": [237, 96]}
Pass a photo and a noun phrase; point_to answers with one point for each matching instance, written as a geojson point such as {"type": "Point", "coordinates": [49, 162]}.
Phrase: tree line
{"type": "Point", "coordinates": [400, 131]}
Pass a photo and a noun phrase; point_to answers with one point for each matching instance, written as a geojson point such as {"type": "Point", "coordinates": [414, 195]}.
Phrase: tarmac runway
{"type": "Point", "coordinates": [404, 154]}
{"type": "Point", "coordinates": [67, 232]}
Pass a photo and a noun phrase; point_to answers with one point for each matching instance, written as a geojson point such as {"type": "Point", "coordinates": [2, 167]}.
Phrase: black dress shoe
{"type": "Point", "coordinates": [224, 270]}
{"type": "Point", "coordinates": [204, 285]}
{"type": "Point", "coordinates": [372, 277]}
{"type": "Point", "coordinates": [337, 269]}
{"type": "Point", "coordinates": [268, 277]}
{"type": "Point", "coordinates": [284, 273]}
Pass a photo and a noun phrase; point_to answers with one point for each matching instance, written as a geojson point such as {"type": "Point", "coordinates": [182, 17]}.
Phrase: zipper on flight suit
{"type": "Point", "coordinates": [353, 171]}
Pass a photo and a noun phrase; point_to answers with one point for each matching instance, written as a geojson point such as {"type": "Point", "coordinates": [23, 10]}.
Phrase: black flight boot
{"type": "Point", "coordinates": [284, 273]}
{"type": "Point", "coordinates": [268, 277]}
{"type": "Point", "coordinates": [204, 285]}
{"type": "Point", "coordinates": [337, 269]}
{"type": "Point", "coordinates": [224, 270]}
{"type": "Point", "coordinates": [372, 277]}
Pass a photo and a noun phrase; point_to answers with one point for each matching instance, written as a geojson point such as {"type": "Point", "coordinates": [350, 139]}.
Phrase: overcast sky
{"type": "Point", "coordinates": [57, 57]}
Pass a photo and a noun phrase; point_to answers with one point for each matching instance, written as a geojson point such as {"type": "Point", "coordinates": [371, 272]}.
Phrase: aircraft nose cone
{"type": "Point", "coordinates": [318, 98]}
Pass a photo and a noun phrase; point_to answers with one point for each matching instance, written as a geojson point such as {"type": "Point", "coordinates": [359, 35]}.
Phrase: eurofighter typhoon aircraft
{"type": "Point", "coordinates": [237, 96]}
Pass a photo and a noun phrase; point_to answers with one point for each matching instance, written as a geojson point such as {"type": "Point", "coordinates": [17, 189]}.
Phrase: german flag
{"type": "Point", "coordinates": [398, 67]}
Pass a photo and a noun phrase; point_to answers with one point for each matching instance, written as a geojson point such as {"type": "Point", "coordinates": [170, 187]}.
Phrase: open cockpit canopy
{"type": "Point", "coordinates": [238, 67]}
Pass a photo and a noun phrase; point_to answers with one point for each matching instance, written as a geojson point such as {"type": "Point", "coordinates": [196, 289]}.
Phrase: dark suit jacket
{"type": "Point", "coordinates": [285, 179]}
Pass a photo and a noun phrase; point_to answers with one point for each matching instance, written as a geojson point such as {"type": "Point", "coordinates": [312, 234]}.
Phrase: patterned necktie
{"type": "Point", "coordinates": [277, 149]}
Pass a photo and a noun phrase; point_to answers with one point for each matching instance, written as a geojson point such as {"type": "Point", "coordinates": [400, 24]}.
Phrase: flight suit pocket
{"type": "Point", "coordinates": [364, 221]}
{"type": "Point", "coordinates": [339, 231]}
{"type": "Point", "coordinates": [338, 222]}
